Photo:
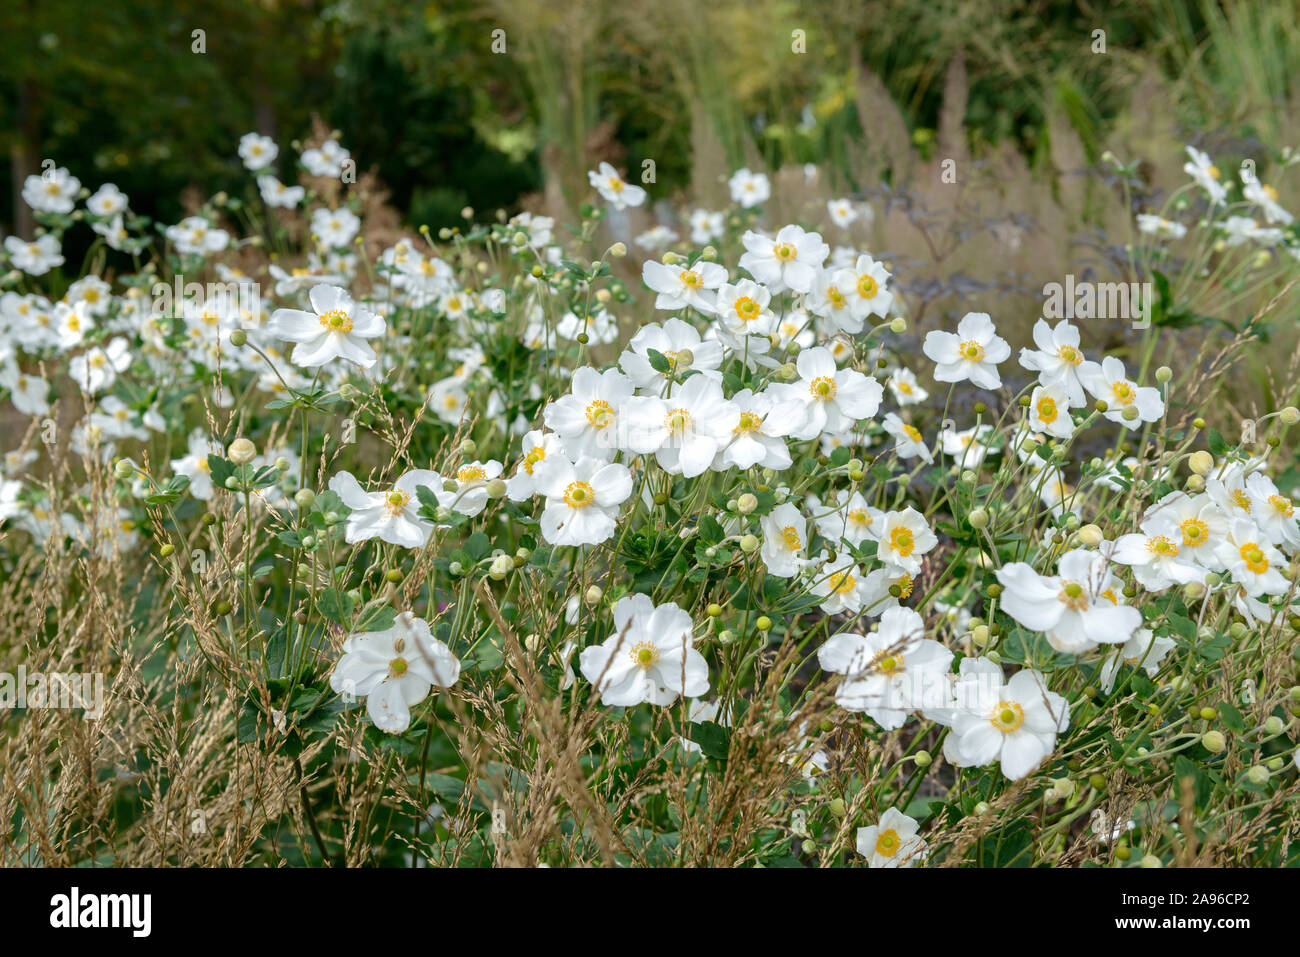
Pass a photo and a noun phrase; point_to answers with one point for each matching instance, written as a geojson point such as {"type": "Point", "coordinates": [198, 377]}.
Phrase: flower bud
{"type": "Point", "coordinates": [746, 503]}
{"type": "Point", "coordinates": [748, 544]}
{"type": "Point", "coordinates": [618, 250]}
{"type": "Point", "coordinates": [1151, 860]}
{"type": "Point", "coordinates": [1090, 535]}
{"type": "Point", "coordinates": [242, 451]}
{"type": "Point", "coordinates": [1214, 741]}
{"type": "Point", "coordinates": [501, 566]}
{"type": "Point", "coordinates": [978, 517]}
{"type": "Point", "coordinates": [1274, 726]}
{"type": "Point", "coordinates": [594, 594]}
{"type": "Point", "coordinates": [763, 623]}
{"type": "Point", "coordinates": [1257, 775]}
{"type": "Point", "coordinates": [837, 807]}
{"type": "Point", "coordinates": [898, 325]}
{"type": "Point", "coordinates": [1164, 374]}
{"type": "Point", "coordinates": [1290, 415]}
{"type": "Point", "coordinates": [496, 488]}
{"type": "Point", "coordinates": [305, 498]}
{"type": "Point", "coordinates": [1201, 462]}
{"type": "Point", "coordinates": [238, 338]}
{"type": "Point", "coordinates": [123, 469]}
{"type": "Point", "coordinates": [923, 759]}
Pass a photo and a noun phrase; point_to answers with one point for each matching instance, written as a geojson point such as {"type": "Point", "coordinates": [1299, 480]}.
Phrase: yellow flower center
{"type": "Point", "coordinates": [971, 351]}
{"type": "Point", "coordinates": [1124, 393]}
{"type": "Point", "coordinates": [822, 388]}
{"type": "Point", "coordinates": [902, 541]}
{"type": "Point", "coordinates": [749, 422]}
{"type": "Point", "coordinates": [579, 495]}
{"type": "Point", "coordinates": [1070, 354]}
{"type": "Point", "coordinates": [1047, 410]}
{"type": "Point", "coordinates": [860, 516]}
{"type": "Point", "coordinates": [535, 455]}
{"type": "Point", "coordinates": [1007, 716]}
{"type": "Point", "coordinates": [913, 433]}
{"type": "Point", "coordinates": [677, 421]}
{"type": "Point", "coordinates": [1160, 545]}
{"type": "Point", "coordinates": [791, 536]}
{"type": "Point", "coordinates": [842, 582]}
{"type": "Point", "coordinates": [397, 667]}
{"type": "Point", "coordinates": [615, 184]}
{"type": "Point", "coordinates": [835, 297]}
{"type": "Point", "coordinates": [644, 655]}
{"type": "Point", "coordinates": [1240, 499]}
{"type": "Point", "coordinates": [692, 280]}
{"type": "Point", "coordinates": [867, 287]}
{"type": "Point", "coordinates": [336, 320]}
{"type": "Point", "coordinates": [1282, 505]}
{"type": "Point", "coordinates": [1195, 532]}
{"type": "Point", "coordinates": [470, 473]}
{"type": "Point", "coordinates": [599, 414]}
{"type": "Point", "coordinates": [747, 308]}
{"type": "Point", "coordinates": [904, 387]}
{"type": "Point", "coordinates": [887, 843]}
{"type": "Point", "coordinates": [1072, 595]}
{"type": "Point", "coordinates": [1255, 558]}
{"type": "Point", "coordinates": [905, 583]}
{"type": "Point", "coordinates": [784, 251]}
{"type": "Point", "coordinates": [1270, 192]}
{"type": "Point", "coordinates": [395, 501]}
{"type": "Point", "coordinates": [1213, 171]}
{"type": "Point", "coordinates": [888, 663]}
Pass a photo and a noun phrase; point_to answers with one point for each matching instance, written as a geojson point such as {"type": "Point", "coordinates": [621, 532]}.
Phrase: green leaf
{"type": "Point", "coordinates": [658, 361]}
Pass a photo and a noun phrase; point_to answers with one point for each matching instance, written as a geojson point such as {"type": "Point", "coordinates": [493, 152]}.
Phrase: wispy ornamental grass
{"type": "Point", "coordinates": [783, 546]}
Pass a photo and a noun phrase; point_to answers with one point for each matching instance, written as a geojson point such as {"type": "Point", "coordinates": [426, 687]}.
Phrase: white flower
{"type": "Point", "coordinates": [470, 496]}
{"type": "Point", "coordinates": [759, 436]}
{"type": "Point", "coordinates": [1144, 650]}
{"type": "Point", "coordinates": [682, 288]}
{"type": "Point", "coordinates": [194, 235]}
{"type": "Point", "coordinates": [904, 537]}
{"type": "Point", "coordinates": [326, 160]}
{"type": "Point", "coordinates": [96, 369]}
{"type": "Point", "coordinates": [35, 258]}
{"type": "Point", "coordinates": [966, 448]}
{"type": "Point", "coordinates": [394, 669]}
{"type": "Point", "coordinates": [650, 657]}
{"type": "Point", "coordinates": [107, 202]}
{"type": "Point", "coordinates": [749, 189]}
{"type": "Point", "coordinates": [27, 392]}
{"type": "Point", "coordinates": [1157, 560]}
{"type": "Point", "coordinates": [257, 152]}
{"type": "Point", "coordinates": [1272, 512]}
{"type": "Point", "coordinates": [588, 419]}
{"type": "Point", "coordinates": [338, 328]}
{"type": "Point", "coordinates": [1194, 523]}
{"type": "Point", "coordinates": [617, 192]}
{"type": "Point", "coordinates": [599, 327]}
{"type": "Point", "coordinates": [841, 584]}
{"type": "Point", "coordinates": [1076, 609]}
{"type": "Point", "coordinates": [706, 226]}
{"type": "Point", "coordinates": [892, 842]}
{"type": "Point", "coordinates": [391, 516]}
{"type": "Point", "coordinates": [742, 310]}
{"type": "Point", "coordinates": [842, 212]}
{"type": "Point", "coordinates": [684, 431]}
{"type": "Point", "coordinates": [1058, 359]}
{"type": "Point", "coordinates": [905, 388]}
{"type": "Point", "coordinates": [865, 288]}
{"type": "Point", "coordinates": [1049, 411]}
{"type": "Point", "coordinates": [277, 194]}
{"type": "Point", "coordinates": [1202, 169]}
{"type": "Point", "coordinates": [194, 464]}
{"type": "Point", "coordinates": [539, 448]}
{"type": "Point", "coordinates": [582, 500]}
{"type": "Point", "coordinates": [973, 352]}
{"type": "Point", "coordinates": [1016, 726]}
{"type": "Point", "coordinates": [1252, 561]}
{"type": "Point", "coordinates": [1243, 229]}
{"type": "Point", "coordinates": [910, 443]}
{"type": "Point", "coordinates": [54, 191]}
{"type": "Point", "coordinates": [670, 340]}
{"type": "Point", "coordinates": [447, 399]}
{"type": "Point", "coordinates": [791, 260]}
{"type": "Point", "coordinates": [834, 399]}
{"type": "Point", "coordinates": [656, 237]}
{"type": "Point", "coordinates": [890, 672]}
{"type": "Point", "coordinates": [334, 227]}
{"type": "Point", "coordinates": [1265, 197]}
{"type": "Point", "coordinates": [854, 522]}
{"type": "Point", "coordinates": [1111, 384]}
{"type": "Point", "coordinates": [1153, 225]}
{"type": "Point", "coordinates": [785, 541]}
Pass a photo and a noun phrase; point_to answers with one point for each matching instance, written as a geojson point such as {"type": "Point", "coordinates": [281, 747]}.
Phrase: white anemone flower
{"type": "Point", "coordinates": [650, 657]}
{"type": "Point", "coordinates": [582, 500]}
{"type": "Point", "coordinates": [391, 516]}
{"type": "Point", "coordinates": [394, 669]}
{"type": "Point", "coordinates": [1077, 609]}
{"type": "Point", "coordinates": [972, 352]}
{"type": "Point", "coordinates": [337, 329]}
{"type": "Point", "coordinates": [892, 842]}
